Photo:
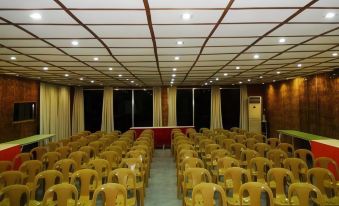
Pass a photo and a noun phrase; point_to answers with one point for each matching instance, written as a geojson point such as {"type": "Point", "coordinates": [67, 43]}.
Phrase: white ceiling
{"type": "Point", "coordinates": [138, 41]}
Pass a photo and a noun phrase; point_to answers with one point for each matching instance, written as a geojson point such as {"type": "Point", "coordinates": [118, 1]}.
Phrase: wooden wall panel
{"type": "Point", "coordinates": [306, 104]}
{"type": "Point", "coordinates": [12, 90]}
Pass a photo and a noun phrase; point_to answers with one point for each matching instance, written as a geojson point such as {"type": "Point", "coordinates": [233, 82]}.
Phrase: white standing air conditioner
{"type": "Point", "coordinates": [254, 114]}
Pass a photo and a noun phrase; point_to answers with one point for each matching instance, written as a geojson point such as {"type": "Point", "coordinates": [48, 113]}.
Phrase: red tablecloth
{"type": "Point", "coordinates": [162, 135]}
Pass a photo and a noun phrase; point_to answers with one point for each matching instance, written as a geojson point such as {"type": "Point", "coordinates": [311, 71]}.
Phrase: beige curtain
{"type": "Point", "coordinates": [172, 106]}
{"type": "Point", "coordinates": [243, 108]}
{"type": "Point", "coordinates": [78, 123]}
{"type": "Point", "coordinates": [216, 116]}
{"type": "Point", "coordinates": [64, 113]}
{"type": "Point", "coordinates": [157, 112]}
{"type": "Point", "coordinates": [107, 120]}
{"type": "Point", "coordinates": [54, 110]}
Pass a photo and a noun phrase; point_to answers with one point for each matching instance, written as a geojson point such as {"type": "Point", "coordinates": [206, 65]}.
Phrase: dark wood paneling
{"type": "Point", "coordinates": [164, 106]}
{"type": "Point", "coordinates": [306, 104]}
{"type": "Point", "coordinates": [13, 89]}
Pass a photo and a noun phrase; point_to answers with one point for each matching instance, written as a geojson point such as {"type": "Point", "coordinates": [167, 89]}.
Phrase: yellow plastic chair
{"type": "Point", "coordinates": [75, 146]}
{"type": "Point", "coordinates": [288, 148]}
{"type": "Point", "coordinates": [88, 181]}
{"type": "Point", "coordinates": [31, 168]}
{"type": "Point", "coordinates": [80, 157]}
{"type": "Point", "coordinates": [299, 194]}
{"type": "Point", "coordinates": [259, 166]}
{"type": "Point", "coordinates": [21, 158]}
{"type": "Point", "coordinates": [14, 195]}
{"type": "Point", "coordinates": [13, 177]}
{"type": "Point", "coordinates": [204, 193]}
{"type": "Point", "coordinates": [277, 156]}
{"type": "Point", "coordinates": [112, 194]}
{"type": "Point", "coordinates": [49, 159]}
{"type": "Point", "coordinates": [113, 157]}
{"type": "Point", "coordinates": [254, 190]}
{"type": "Point", "coordinates": [223, 164]}
{"type": "Point", "coordinates": [260, 137]}
{"type": "Point", "coordinates": [298, 168]}
{"type": "Point", "coordinates": [226, 143]}
{"type": "Point", "coordinates": [43, 181]}
{"type": "Point", "coordinates": [98, 146]}
{"type": "Point", "coordinates": [38, 152]}
{"type": "Point", "coordinates": [327, 163]}
{"type": "Point", "coordinates": [250, 142]}
{"type": "Point", "coordinates": [64, 151]}
{"type": "Point", "coordinates": [5, 166]}
{"type": "Point", "coordinates": [61, 194]}
{"type": "Point", "coordinates": [89, 150]}
{"type": "Point", "coordinates": [245, 157]}
{"type": "Point", "coordinates": [236, 150]}
{"type": "Point", "coordinates": [279, 179]}
{"type": "Point", "coordinates": [262, 149]}
{"type": "Point", "coordinates": [102, 166]}
{"type": "Point", "coordinates": [67, 167]}
{"type": "Point", "coordinates": [51, 146]}
{"type": "Point", "coordinates": [239, 138]}
{"type": "Point", "coordinates": [273, 142]}
{"type": "Point", "coordinates": [305, 155]}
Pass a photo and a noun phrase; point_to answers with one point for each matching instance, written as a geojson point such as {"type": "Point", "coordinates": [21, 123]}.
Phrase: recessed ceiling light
{"type": "Point", "coordinates": [263, 83]}
{"type": "Point", "coordinates": [132, 81]}
{"type": "Point", "coordinates": [13, 58]}
{"type": "Point", "coordinates": [256, 56]}
{"type": "Point", "coordinates": [186, 16]}
{"type": "Point", "coordinates": [120, 75]}
{"type": "Point", "coordinates": [180, 42]}
{"type": "Point", "coordinates": [127, 79]}
{"type": "Point", "coordinates": [299, 65]}
{"type": "Point", "coordinates": [278, 72]}
{"type": "Point", "coordinates": [225, 74]}
{"type": "Point", "coordinates": [75, 43]}
{"type": "Point", "coordinates": [95, 58]}
{"type": "Point", "coordinates": [36, 16]}
{"type": "Point", "coordinates": [174, 69]}
{"type": "Point", "coordinates": [237, 67]}
{"type": "Point", "coordinates": [261, 77]}
{"type": "Point", "coordinates": [211, 81]}
{"type": "Point", "coordinates": [240, 82]}
{"type": "Point", "coordinates": [330, 15]}
{"type": "Point", "coordinates": [335, 54]}
{"type": "Point", "coordinates": [176, 58]}
{"type": "Point", "coordinates": [248, 80]}
{"type": "Point", "coordinates": [66, 75]}
{"type": "Point", "coordinates": [110, 68]}
{"type": "Point", "coordinates": [92, 81]}
{"type": "Point", "coordinates": [273, 80]}
{"type": "Point", "coordinates": [45, 68]}
{"type": "Point", "coordinates": [205, 83]}
{"type": "Point", "coordinates": [172, 80]}
{"type": "Point", "coordinates": [233, 84]}
{"type": "Point", "coordinates": [282, 40]}
{"type": "Point", "coordinates": [217, 79]}
{"type": "Point", "coordinates": [173, 75]}
{"type": "Point", "coordinates": [81, 78]}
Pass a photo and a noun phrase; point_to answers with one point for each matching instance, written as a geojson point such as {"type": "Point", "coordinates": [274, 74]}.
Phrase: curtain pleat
{"type": "Point", "coordinates": [78, 123]}
{"type": "Point", "coordinates": [172, 106]}
{"type": "Point", "coordinates": [54, 110]}
{"type": "Point", "coordinates": [216, 116]}
{"type": "Point", "coordinates": [243, 108]}
{"type": "Point", "coordinates": [157, 111]}
{"type": "Point", "coordinates": [107, 120]}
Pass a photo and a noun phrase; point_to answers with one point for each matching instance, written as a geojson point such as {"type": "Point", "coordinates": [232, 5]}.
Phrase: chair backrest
{"type": "Point", "coordinates": [302, 192]}
{"type": "Point", "coordinates": [259, 166]}
{"type": "Point", "coordinates": [5, 166]}
{"type": "Point", "coordinates": [278, 178]}
{"type": "Point", "coordinates": [245, 157]}
{"type": "Point", "coordinates": [17, 195]}
{"type": "Point", "coordinates": [191, 162]}
{"type": "Point", "coordinates": [21, 158]}
{"type": "Point", "coordinates": [89, 150]}
{"type": "Point", "coordinates": [250, 142]}
{"type": "Point", "coordinates": [288, 148]}
{"type": "Point", "coordinates": [254, 191]}
{"type": "Point", "coordinates": [327, 163]}
{"type": "Point", "coordinates": [262, 148]}
{"type": "Point", "coordinates": [51, 146]}
{"type": "Point", "coordinates": [226, 143]}
{"type": "Point", "coordinates": [277, 156]}
{"type": "Point", "coordinates": [236, 149]}
{"type": "Point", "coordinates": [298, 168]}
{"type": "Point", "coordinates": [273, 142]}
{"type": "Point", "coordinates": [45, 180]}
{"type": "Point", "coordinates": [37, 152]}
{"type": "Point", "coordinates": [102, 166]}
{"type": "Point", "coordinates": [324, 180]}
{"type": "Point", "coordinates": [61, 194]}
{"type": "Point", "coordinates": [204, 193]}
{"type": "Point", "coordinates": [31, 168]}
{"type": "Point", "coordinates": [80, 157]}
{"type": "Point", "coordinates": [112, 194]}
{"type": "Point", "coordinates": [49, 159]}
{"type": "Point", "coordinates": [305, 155]}
{"type": "Point", "coordinates": [87, 178]}
{"type": "Point", "coordinates": [125, 177]}
{"type": "Point", "coordinates": [11, 178]}
{"type": "Point", "coordinates": [64, 151]}
{"type": "Point", "coordinates": [238, 176]}
{"type": "Point", "coordinates": [194, 176]}
{"type": "Point", "coordinates": [113, 157]}
{"type": "Point", "coordinates": [66, 167]}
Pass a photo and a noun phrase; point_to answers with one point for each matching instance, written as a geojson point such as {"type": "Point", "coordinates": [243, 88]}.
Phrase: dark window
{"type": "Point", "coordinates": [122, 109]}
{"type": "Point", "coordinates": [230, 107]}
{"type": "Point", "coordinates": [143, 108]}
{"type": "Point", "coordinates": [24, 111]}
{"type": "Point", "coordinates": [93, 109]}
{"type": "Point", "coordinates": [202, 108]}
{"type": "Point", "coordinates": [184, 107]}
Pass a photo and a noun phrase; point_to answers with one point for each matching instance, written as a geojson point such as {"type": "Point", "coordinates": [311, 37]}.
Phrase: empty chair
{"type": "Point", "coordinates": [273, 142]}
{"type": "Point", "coordinates": [223, 164]}
{"type": "Point", "coordinates": [102, 166]}
{"type": "Point", "coordinates": [113, 157]}
{"type": "Point", "coordinates": [279, 179]}
{"type": "Point", "coordinates": [87, 181]}
{"type": "Point", "coordinates": [14, 195]}
{"type": "Point", "coordinates": [61, 194]}
{"type": "Point", "coordinates": [43, 181]}
{"type": "Point", "coordinates": [37, 152]}
{"type": "Point", "coordinates": [254, 191]}
{"type": "Point", "coordinates": [245, 157]}
{"type": "Point", "coordinates": [67, 167]}
{"type": "Point", "coordinates": [127, 178]}
{"type": "Point", "coordinates": [52, 146]}
{"type": "Point", "coordinates": [193, 177]}
{"type": "Point", "coordinates": [240, 138]}
{"type": "Point", "coordinates": [98, 146]}
{"type": "Point", "coordinates": [304, 194]}
{"type": "Point", "coordinates": [111, 193]}
{"type": "Point", "coordinates": [259, 166]}
{"type": "Point", "coordinates": [21, 158]}
{"type": "Point", "coordinates": [298, 168]}
{"type": "Point", "coordinates": [64, 151]}
{"type": "Point", "coordinates": [325, 181]}
{"type": "Point", "coordinates": [74, 146]}
{"type": "Point", "coordinates": [49, 159]}
{"type": "Point", "coordinates": [31, 168]}
{"type": "Point", "coordinates": [80, 157]}
{"type": "Point", "coordinates": [250, 142]}
{"type": "Point", "coordinates": [327, 163]}
{"type": "Point", "coordinates": [259, 137]}
{"type": "Point", "coordinates": [89, 150]}
{"type": "Point", "coordinates": [204, 194]}
{"type": "Point", "coordinates": [234, 177]}
{"type": "Point", "coordinates": [277, 156]}
{"type": "Point", "coordinates": [11, 178]}
{"type": "Point", "coordinates": [226, 143]}
{"type": "Point", "coordinates": [288, 148]}
{"type": "Point", "coordinates": [5, 166]}
{"type": "Point", "coordinates": [305, 155]}
{"type": "Point", "coordinates": [236, 150]}
{"type": "Point", "coordinates": [262, 149]}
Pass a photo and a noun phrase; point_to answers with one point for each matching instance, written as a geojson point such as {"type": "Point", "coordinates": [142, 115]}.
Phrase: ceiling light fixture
{"type": "Point", "coordinates": [174, 69]}
{"type": "Point", "coordinates": [45, 68]}
{"type": "Point", "coordinates": [180, 42]}
{"type": "Point", "coordinates": [240, 82]}
{"type": "Point", "coordinates": [176, 58]}
{"type": "Point", "coordinates": [256, 56]}
{"type": "Point", "coordinates": [36, 16]}
{"type": "Point", "coordinates": [13, 58]}
{"type": "Point", "coordinates": [330, 15]}
{"type": "Point", "coordinates": [81, 78]}
{"type": "Point", "coordinates": [110, 68]}
{"type": "Point", "coordinates": [261, 77]}
{"type": "Point", "coordinates": [282, 40]}
{"type": "Point", "coordinates": [335, 54]}
{"type": "Point", "coordinates": [95, 58]}
{"type": "Point", "coordinates": [120, 75]}
{"type": "Point", "coordinates": [217, 79]}
{"type": "Point", "coordinates": [186, 16]}
{"type": "Point", "coordinates": [66, 75]}
{"type": "Point", "coordinates": [278, 72]}
{"type": "Point", "coordinates": [248, 80]}
{"type": "Point", "coordinates": [205, 83]}
{"type": "Point", "coordinates": [92, 81]}
{"type": "Point", "coordinates": [211, 81]}
{"type": "Point", "coordinates": [299, 65]}
{"type": "Point", "coordinates": [225, 74]}
{"type": "Point", "coordinates": [132, 81]}
{"type": "Point", "coordinates": [75, 43]}
{"type": "Point", "coordinates": [273, 80]}
{"type": "Point", "coordinates": [173, 75]}
{"type": "Point", "coordinates": [237, 67]}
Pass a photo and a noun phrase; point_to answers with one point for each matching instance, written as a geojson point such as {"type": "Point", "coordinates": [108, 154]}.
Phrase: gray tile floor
{"type": "Point", "coordinates": [162, 184]}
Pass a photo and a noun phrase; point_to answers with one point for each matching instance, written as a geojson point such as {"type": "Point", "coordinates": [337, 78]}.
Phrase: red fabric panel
{"type": "Point", "coordinates": [323, 150]}
{"type": "Point", "coordinates": [162, 136]}
{"type": "Point", "coordinates": [9, 153]}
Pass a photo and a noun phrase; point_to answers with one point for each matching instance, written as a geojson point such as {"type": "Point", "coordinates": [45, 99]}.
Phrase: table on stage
{"type": "Point", "coordinates": [320, 146]}
{"type": "Point", "coordinates": [8, 150]}
{"type": "Point", "coordinates": [162, 135]}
